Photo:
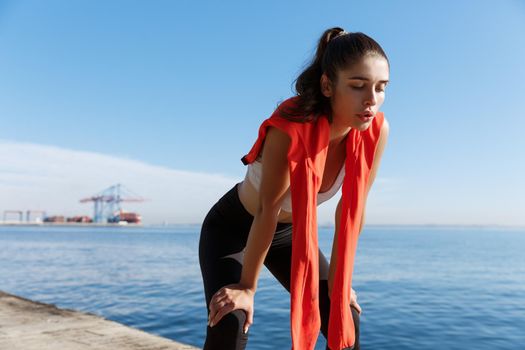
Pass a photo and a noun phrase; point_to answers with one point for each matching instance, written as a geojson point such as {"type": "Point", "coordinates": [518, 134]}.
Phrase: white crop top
{"type": "Point", "coordinates": [254, 175]}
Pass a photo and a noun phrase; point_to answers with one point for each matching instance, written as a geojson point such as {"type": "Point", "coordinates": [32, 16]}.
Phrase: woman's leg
{"type": "Point", "coordinates": [278, 261]}
{"type": "Point", "coordinates": [223, 237]}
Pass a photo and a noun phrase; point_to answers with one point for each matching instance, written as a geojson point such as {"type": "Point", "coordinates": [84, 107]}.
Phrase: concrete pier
{"type": "Point", "coordinates": [30, 325]}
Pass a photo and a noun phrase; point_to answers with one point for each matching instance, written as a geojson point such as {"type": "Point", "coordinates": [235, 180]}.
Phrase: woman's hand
{"type": "Point", "coordinates": [353, 301]}
{"type": "Point", "coordinates": [353, 296]}
{"type": "Point", "coordinates": [232, 297]}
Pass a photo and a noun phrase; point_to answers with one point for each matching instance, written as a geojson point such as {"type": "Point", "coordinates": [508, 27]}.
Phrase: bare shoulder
{"type": "Point", "coordinates": [274, 179]}
{"type": "Point", "coordinates": [277, 138]}
{"type": "Point", "coordinates": [277, 141]}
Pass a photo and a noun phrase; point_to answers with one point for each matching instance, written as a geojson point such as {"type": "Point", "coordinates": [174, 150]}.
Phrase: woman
{"type": "Point", "coordinates": [330, 134]}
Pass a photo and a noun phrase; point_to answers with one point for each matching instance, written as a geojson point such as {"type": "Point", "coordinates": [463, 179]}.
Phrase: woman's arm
{"type": "Point", "coordinates": [274, 183]}
{"type": "Point", "coordinates": [385, 128]}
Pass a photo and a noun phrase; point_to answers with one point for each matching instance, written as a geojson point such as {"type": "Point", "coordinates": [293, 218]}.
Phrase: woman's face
{"type": "Point", "coordinates": [358, 92]}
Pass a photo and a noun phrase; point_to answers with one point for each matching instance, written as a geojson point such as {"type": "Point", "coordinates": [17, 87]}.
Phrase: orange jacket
{"type": "Point", "coordinates": [306, 160]}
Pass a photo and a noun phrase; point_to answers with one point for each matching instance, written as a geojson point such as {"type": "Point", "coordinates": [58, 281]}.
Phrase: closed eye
{"type": "Point", "coordinates": [378, 89]}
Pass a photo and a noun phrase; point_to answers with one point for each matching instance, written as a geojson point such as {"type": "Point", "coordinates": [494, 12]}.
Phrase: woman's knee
{"type": "Point", "coordinates": [356, 318]}
{"type": "Point", "coordinates": [325, 312]}
{"type": "Point", "coordinates": [227, 334]}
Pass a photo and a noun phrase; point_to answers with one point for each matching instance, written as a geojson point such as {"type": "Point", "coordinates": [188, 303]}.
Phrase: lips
{"type": "Point", "coordinates": [365, 116]}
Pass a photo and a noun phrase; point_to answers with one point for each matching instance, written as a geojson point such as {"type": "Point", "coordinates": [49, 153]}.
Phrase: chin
{"type": "Point", "coordinates": [364, 126]}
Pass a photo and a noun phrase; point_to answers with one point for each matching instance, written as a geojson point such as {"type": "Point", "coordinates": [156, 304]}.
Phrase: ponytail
{"type": "Point", "coordinates": [336, 49]}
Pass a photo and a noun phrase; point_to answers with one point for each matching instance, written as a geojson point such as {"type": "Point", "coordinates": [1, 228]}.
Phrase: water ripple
{"type": "Point", "coordinates": [419, 288]}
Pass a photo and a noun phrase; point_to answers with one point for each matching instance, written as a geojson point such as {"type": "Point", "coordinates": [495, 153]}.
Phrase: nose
{"type": "Point", "coordinates": [370, 98]}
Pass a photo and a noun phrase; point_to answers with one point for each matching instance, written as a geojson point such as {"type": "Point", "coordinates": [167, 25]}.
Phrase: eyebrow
{"type": "Point", "coordinates": [366, 79]}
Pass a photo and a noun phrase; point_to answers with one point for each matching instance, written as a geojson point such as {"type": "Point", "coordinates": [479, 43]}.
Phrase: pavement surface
{"type": "Point", "coordinates": [30, 325]}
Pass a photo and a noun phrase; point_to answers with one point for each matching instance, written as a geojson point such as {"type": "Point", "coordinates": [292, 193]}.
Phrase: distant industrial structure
{"type": "Point", "coordinates": [107, 206]}
{"type": "Point", "coordinates": [107, 210]}
{"type": "Point", "coordinates": [20, 214]}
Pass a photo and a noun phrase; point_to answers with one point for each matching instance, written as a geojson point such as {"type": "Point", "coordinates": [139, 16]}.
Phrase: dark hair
{"type": "Point", "coordinates": [336, 50]}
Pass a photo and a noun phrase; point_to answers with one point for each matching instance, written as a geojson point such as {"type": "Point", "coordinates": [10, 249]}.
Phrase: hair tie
{"type": "Point", "coordinates": [333, 36]}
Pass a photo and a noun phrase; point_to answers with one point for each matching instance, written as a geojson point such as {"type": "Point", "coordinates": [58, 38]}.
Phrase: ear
{"type": "Point", "coordinates": [326, 86]}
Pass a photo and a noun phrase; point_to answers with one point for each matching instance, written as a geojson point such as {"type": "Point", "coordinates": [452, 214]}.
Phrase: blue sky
{"type": "Point", "coordinates": [180, 87]}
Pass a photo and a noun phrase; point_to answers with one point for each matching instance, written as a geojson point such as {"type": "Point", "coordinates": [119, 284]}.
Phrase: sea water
{"type": "Point", "coordinates": [419, 287]}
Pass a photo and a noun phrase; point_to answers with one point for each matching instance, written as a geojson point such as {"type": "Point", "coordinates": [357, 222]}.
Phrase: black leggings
{"type": "Point", "coordinates": [223, 238]}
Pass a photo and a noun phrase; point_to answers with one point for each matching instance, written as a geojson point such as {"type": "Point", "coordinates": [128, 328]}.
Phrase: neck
{"type": "Point", "coordinates": [338, 133]}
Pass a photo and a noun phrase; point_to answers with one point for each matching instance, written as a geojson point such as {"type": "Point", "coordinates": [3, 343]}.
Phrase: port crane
{"type": "Point", "coordinates": [107, 206]}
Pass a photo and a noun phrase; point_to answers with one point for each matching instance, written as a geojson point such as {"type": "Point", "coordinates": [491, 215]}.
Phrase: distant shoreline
{"type": "Point", "coordinates": [369, 226]}
{"type": "Point", "coordinates": [68, 224]}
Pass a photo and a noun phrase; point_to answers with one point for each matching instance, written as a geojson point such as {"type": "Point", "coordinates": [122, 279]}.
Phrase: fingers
{"type": "Point", "coordinates": [353, 301]}
{"type": "Point", "coordinates": [226, 300]}
{"type": "Point", "coordinates": [214, 310]}
{"type": "Point", "coordinates": [249, 321]}
{"type": "Point", "coordinates": [218, 304]}
{"type": "Point", "coordinates": [357, 307]}
{"type": "Point", "coordinates": [218, 299]}
{"type": "Point", "coordinates": [227, 308]}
